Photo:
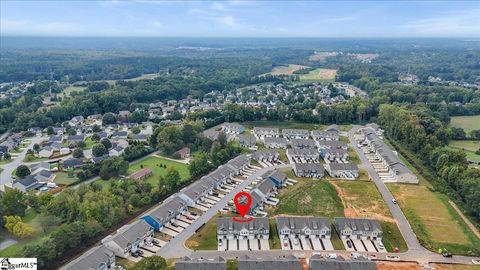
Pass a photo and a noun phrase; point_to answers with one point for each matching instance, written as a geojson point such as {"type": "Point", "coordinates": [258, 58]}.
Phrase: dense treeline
{"type": "Point", "coordinates": [427, 137]}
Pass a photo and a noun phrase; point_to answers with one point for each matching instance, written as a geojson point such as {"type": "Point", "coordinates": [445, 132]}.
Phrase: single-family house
{"type": "Point", "coordinates": [141, 174]}
{"type": "Point", "coordinates": [26, 184]}
{"type": "Point", "coordinates": [116, 151]}
{"type": "Point", "coordinates": [120, 135]}
{"type": "Point", "coordinates": [56, 138]}
{"type": "Point", "coordinates": [72, 163]}
{"type": "Point", "coordinates": [183, 153]}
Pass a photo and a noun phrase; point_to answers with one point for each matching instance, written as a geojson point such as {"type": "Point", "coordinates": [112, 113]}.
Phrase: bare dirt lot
{"type": "Point", "coordinates": [398, 266]}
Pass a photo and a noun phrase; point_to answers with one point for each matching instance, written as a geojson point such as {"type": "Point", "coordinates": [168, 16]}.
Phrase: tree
{"type": "Point", "coordinates": [106, 142]}
{"type": "Point", "coordinates": [135, 130]}
{"type": "Point", "coordinates": [150, 263]}
{"type": "Point", "coordinates": [22, 171]}
{"type": "Point", "coordinates": [113, 167]}
{"type": "Point", "coordinates": [14, 202]}
{"type": "Point", "coordinates": [199, 165]}
{"type": "Point", "coordinates": [77, 153]}
{"type": "Point", "coordinates": [458, 133]}
{"type": "Point", "coordinates": [33, 201]}
{"type": "Point", "coordinates": [47, 222]}
{"type": "Point", "coordinates": [17, 227]}
{"type": "Point", "coordinates": [172, 178]}
{"type": "Point", "coordinates": [108, 119]}
{"type": "Point", "coordinates": [36, 147]}
{"type": "Point", "coordinates": [50, 131]}
{"type": "Point", "coordinates": [99, 150]}
{"type": "Point", "coordinates": [475, 134]}
{"type": "Point", "coordinates": [81, 144]}
{"type": "Point", "coordinates": [96, 128]}
{"type": "Point", "coordinates": [95, 137]}
{"type": "Point", "coordinates": [71, 131]}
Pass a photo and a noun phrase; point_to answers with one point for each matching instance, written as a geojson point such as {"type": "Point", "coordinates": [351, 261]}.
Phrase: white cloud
{"type": "Point", "coordinates": [341, 19]}
{"type": "Point", "coordinates": [13, 27]}
{"type": "Point", "coordinates": [157, 24]}
{"type": "Point", "coordinates": [228, 20]}
{"type": "Point", "coordinates": [459, 24]}
{"type": "Point", "coordinates": [218, 6]}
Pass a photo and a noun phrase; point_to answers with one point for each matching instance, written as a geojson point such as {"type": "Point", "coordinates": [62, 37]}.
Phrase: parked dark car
{"type": "Point", "coordinates": [139, 252]}
{"type": "Point", "coordinates": [349, 243]}
{"type": "Point", "coordinates": [447, 255]}
{"type": "Point", "coordinates": [134, 254]}
{"type": "Point", "coordinates": [155, 241]}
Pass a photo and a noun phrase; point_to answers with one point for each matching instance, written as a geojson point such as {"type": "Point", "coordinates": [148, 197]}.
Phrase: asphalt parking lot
{"type": "Point", "coordinates": [313, 243]}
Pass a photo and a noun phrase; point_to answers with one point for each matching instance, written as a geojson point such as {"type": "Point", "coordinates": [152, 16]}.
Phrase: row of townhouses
{"type": "Point", "coordinates": [290, 262]}
{"type": "Point", "coordinates": [397, 171]}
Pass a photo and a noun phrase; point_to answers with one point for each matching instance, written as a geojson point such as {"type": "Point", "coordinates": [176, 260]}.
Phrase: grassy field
{"type": "Point", "coordinates": [286, 69]}
{"type": "Point", "coordinates": [319, 74]}
{"type": "Point", "coordinates": [68, 91]}
{"type": "Point", "coordinates": [468, 123]}
{"type": "Point", "coordinates": [309, 198]}
{"type": "Point", "coordinates": [468, 146]}
{"type": "Point", "coordinates": [62, 178]}
{"type": "Point", "coordinates": [148, 76]}
{"type": "Point", "coordinates": [434, 221]}
{"type": "Point", "coordinates": [362, 199]}
{"type": "Point", "coordinates": [206, 237]}
{"type": "Point", "coordinates": [153, 162]}
{"type": "Point", "coordinates": [392, 237]}
{"type": "Point", "coordinates": [32, 219]}
{"type": "Point", "coordinates": [274, 240]}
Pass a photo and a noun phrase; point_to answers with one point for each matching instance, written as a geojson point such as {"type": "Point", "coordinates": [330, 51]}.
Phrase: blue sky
{"type": "Point", "coordinates": [241, 18]}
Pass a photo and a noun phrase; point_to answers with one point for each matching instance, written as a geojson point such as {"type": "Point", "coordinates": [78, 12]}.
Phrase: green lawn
{"type": "Point", "coordinates": [206, 237]}
{"type": "Point", "coordinates": [392, 237]}
{"type": "Point", "coordinates": [31, 218]}
{"type": "Point", "coordinates": [68, 91]}
{"type": "Point", "coordinates": [468, 123]}
{"type": "Point", "coordinates": [89, 143]}
{"type": "Point", "coordinates": [320, 74]}
{"type": "Point", "coordinates": [274, 240]}
{"type": "Point", "coordinates": [468, 146]}
{"type": "Point", "coordinates": [309, 198]}
{"type": "Point", "coordinates": [154, 162]}
{"type": "Point", "coordinates": [62, 178]}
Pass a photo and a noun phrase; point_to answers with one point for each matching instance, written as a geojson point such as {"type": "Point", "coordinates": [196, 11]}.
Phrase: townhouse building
{"type": "Point", "coordinates": [129, 238]}
{"type": "Point", "coordinates": [258, 228]}
{"type": "Point", "coordinates": [317, 262]}
{"type": "Point", "coordinates": [277, 177]}
{"type": "Point", "coordinates": [302, 143]}
{"type": "Point", "coordinates": [275, 142]}
{"type": "Point", "coordinates": [332, 145]}
{"type": "Point", "coordinates": [270, 155]}
{"type": "Point", "coordinates": [232, 128]}
{"type": "Point", "coordinates": [291, 133]}
{"type": "Point", "coordinates": [303, 227]}
{"type": "Point", "coordinates": [342, 170]}
{"type": "Point", "coordinates": [288, 262]}
{"type": "Point", "coordinates": [197, 191]}
{"type": "Point", "coordinates": [98, 258]}
{"type": "Point", "coordinates": [166, 213]}
{"type": "Point", "coordinates": [358, 228]}
{"type": "Point", "coordinates": [319, 135]}
{"type": "Point", "coordinates": [248, 141]}
{"type": "Point", "coordinates": [265, 132]}
{"type": "Point", "coordinates": [334, 155]}
{"type": "Point", "coordinates": [187, 263]}
{"type": "Point", "coordinates": [313, 170]}
{"type": "Point", "coordinates": [307, 155]}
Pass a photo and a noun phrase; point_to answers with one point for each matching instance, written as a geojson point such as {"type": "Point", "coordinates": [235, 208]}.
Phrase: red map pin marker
{"type": "Point", "coordinates": [242, 201]}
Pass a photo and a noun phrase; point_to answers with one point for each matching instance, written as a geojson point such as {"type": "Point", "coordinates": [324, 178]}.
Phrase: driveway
{"type": "Point", "coordinates": [6, 174]}
{"type": "Point", "coordinates": [175, 248]}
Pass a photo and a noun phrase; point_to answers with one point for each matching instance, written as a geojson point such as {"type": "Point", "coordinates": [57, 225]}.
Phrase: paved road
{"type": "Point", "coordinates": [397, 213]}
{"type": "Point", "coordinates": [6, 174]}
{"type": "Point", "coordinates": [415, 253]}
{"type": "Point", "coordinates": [176, 248]}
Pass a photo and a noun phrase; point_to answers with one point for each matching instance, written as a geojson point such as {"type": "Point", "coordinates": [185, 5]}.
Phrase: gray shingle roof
{"type": "Point", "coordinates": [187, 263]}
{"type": "Point", "coordinates": [317, 263]}
{"type": "Point", "coordinates": [268, 263]}
{"type": "Point", "coordinates": [130, 233]}
{"type": "Point", "coordinates": [91, 260]}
